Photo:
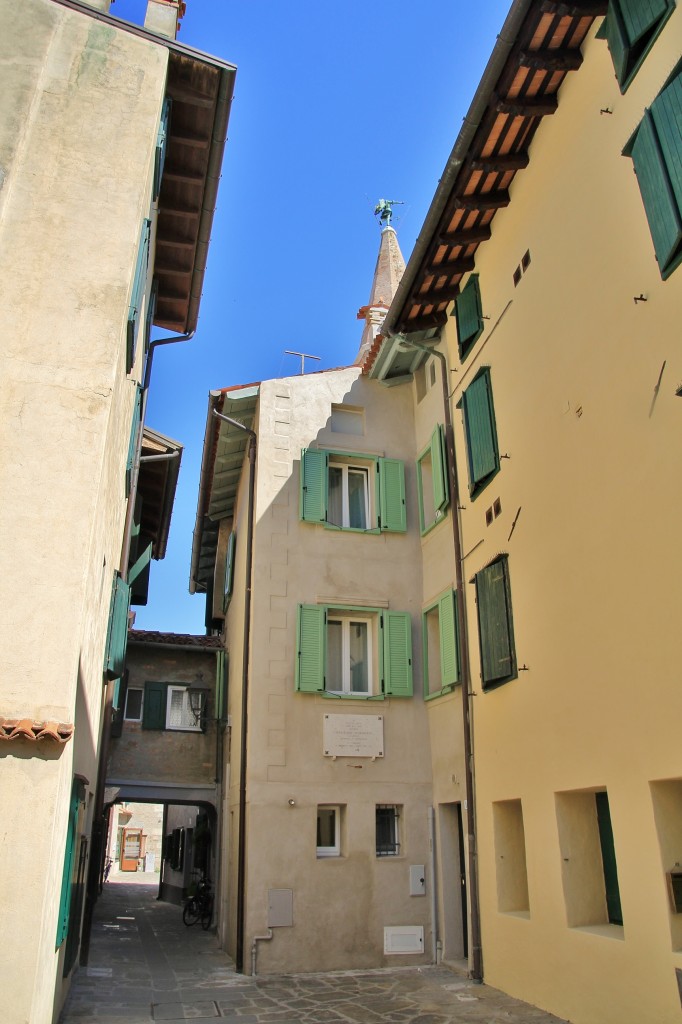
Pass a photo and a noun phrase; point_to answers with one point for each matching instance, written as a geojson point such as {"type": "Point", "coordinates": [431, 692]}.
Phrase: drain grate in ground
{"type": "Point", "coordinates": [184, 1011]}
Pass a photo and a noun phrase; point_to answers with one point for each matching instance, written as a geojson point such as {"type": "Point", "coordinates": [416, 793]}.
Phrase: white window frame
{"type": "Point", "coordinates": [188, 714]}
{"type": "Point", "coordinates": [134, 689]}
{"type": "Point", "coordinates": [348, 618]}
{"type": "Point", "coordinates": [335, 849]}
{"type": "Point", "coordinates": [365, 469]}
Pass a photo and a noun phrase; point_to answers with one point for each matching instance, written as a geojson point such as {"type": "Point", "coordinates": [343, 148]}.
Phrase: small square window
{"type": "Point", "coordinates": [387, 834]}
{"type": "Point", "coordinates": [133, 708]}
{"type": "Point", "coordinates": [184, 708]}
{"type": "Point", "coordinates": [525, 261]}
{"type": "Point", "coordinates": [329, 831]}
{"type": "Point", "coordinates": [517, 276]}
{"type": "Point", "coordinates": [346, 420]}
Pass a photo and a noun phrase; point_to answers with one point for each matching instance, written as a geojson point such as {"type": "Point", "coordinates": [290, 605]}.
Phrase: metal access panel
{"type": "Point", "coordinates": [417, 880]}
{"type": "Point", "coordinates": [404, 939]}
{"type": "Point", "coordinates": [280, 908]}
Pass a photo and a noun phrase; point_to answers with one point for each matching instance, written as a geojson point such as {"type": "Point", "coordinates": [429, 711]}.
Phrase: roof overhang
{"type": "Point", "coordinates": [157, 483]}
{"type": "Point", "coordinates": [201, 88]}
{"type": "Point", "coordinates": [225, 448]}
{"type": "Point", "coordinates": [538, 46]}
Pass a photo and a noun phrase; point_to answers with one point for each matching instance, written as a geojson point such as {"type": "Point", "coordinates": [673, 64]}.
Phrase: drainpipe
{"type": "Point", "coordinates": [254, 948]}
{"type": "Point", "coordinates": [241, 850]}
{"type": "Point", "coordinates": [476, 951]}
{"type": "Point", "coordinates": [432, 895]}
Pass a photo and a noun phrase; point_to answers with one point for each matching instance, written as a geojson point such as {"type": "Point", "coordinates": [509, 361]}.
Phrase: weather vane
{"type": "Point", "coordinates": [384, 210]}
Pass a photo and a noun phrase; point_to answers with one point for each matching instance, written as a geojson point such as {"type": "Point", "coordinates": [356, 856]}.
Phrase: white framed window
{"type": "Point", "coordinates": [350, 661]}
{"type": "Point", "coordinates": [328, 830]}
{"type": "Point", "coordinates": [348, 500]}
{"type": "Point", "coordinates": [184, 708]}
{"type": "Point", "coordinates": [133, 708]}
{"type": "Point", "coordinates": [387, 833]}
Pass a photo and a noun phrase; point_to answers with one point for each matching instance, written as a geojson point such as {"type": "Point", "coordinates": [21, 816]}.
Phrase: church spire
{"type": "Point", "coordinates": [387, 274]}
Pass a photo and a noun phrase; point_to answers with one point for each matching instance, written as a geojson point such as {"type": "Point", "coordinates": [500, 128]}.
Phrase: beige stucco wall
{"type": "Point", "coordinates": [167, 756]}
{"type": "Point", "coordinates": [594, 559]}
{"type": "Point", "coordinates": [79, 107]}
{"type": "Point", "coordinates": [341, 904]}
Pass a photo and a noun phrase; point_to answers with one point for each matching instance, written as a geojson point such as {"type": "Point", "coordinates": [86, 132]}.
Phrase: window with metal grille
{"type": "Point", "coordinates": [387, 835]}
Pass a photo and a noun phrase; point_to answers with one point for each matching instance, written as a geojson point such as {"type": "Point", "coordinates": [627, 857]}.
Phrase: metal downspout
{"type": "Point", "coordinates": [241, 850]}
{"type": "Point", "coordinates": [476, 951]}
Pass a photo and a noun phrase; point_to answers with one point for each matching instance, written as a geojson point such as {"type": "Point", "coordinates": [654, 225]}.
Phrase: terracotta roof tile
{"type": "Point", "coordinates": [29, 729]}
{"type": "Point", "coordinates": [152, 636]}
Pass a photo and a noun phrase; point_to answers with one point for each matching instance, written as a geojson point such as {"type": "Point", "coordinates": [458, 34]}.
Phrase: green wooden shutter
{"type": "Point", "coordinates": [617, 41]}
{"type": "Point", "coordinates": [498, 658]}
{"type": "Point", "coordinates": [481, 433]}
{"type": "Point", "coordinates": [139, 284]}
{"type": "Point", "coordinates": [449, 647]}
{"type": "Point", "coordinates": [117, 631]}
{"type": "Point", "coordinates": [161, 143]}
{"type": "Point", "coordinates": [118, 705]}
{"type": "Point", "coordinates": [69, 857]}
{"type": "Point", "coordinates": [608, 856]}
{"type": "Point", "coordinates": [310, 646]}
{"type": "Point", "coordinates": [313, 485]}
{"type": "Point", "coordinates": [660, 204]}
{"type": "Point", "coordinates": [397, 650]}
{"type": "Point", "coordinates": [469, 315]}
{"type": "Point", "coordinates": [392, 495]}
{"type": "Point", "coordinates": [229, 570]}
{"type": "Point", "coordinates": [138, 572]}
{"type": "Point", "coordinates": [640, 16]}
{"type": "Point", "coordinates": [154, 706]}
{"type": "Point", "coordinates": [132, 444]}
{"type": "Point", "coordinates": [150, 313]}
{"type": "Point", "coordinates": [438, 469]}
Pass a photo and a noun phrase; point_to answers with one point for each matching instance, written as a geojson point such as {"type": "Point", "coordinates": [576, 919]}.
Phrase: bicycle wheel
{"type": "Point", "coordinates": [207, 913]}
{"type": "Point", "coordinates": [191, 914]}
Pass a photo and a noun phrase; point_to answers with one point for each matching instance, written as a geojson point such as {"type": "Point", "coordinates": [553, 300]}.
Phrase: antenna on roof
{"type": "Point", "coordinates": [303, 357]}
{"type": "Point", "coordinates": [384, 210]}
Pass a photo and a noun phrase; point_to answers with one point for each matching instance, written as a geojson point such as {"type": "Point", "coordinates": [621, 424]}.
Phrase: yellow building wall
{"type": "Point", "coordinates": [584, 384]}
{"type": "Point", "coordinates": [72, 200]}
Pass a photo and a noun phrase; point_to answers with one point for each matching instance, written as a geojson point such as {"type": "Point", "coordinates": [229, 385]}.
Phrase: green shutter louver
{"type": "Point", "coordinates": [469, 315]}
{"type": "Point", "coordinates": [656, 152]}
{"type": "Point", "coordinates": [138, 572]}
{"type": "Point", "coordinates": [137, 295]}
{"type": "Point", "coordinates": [132, 444]}
{"type": "Point", "coordinates": [392, 495]}
{"type": "Point", "coordinates": [229, 569]}
{"type": "Point", "coordinates": [438, 469]}
{"type": "Point", "coordinates": [154, 706]}
{"type": "Point", "coordinates": [495, 625]}
{"type": "Point", "coordinates": [117, 631]}
{"type": "Point", "coordinates": [161, 144]}
{"type": "Point", "coordinates": [310, 647]}
{"type": "Point", "coordinates": [631, 27]}
{"type": "Point", "coordinates": [608, 855]}
{"type": "Point", "coordinates": [449, 650]}
{"type": "Point", "coordinates": [397, 654]}
{"type": "Point", "coordinates": [313, 503]}
{"type": "Point", "coordinates": [481, 433]}
{"type": "Point", "coordinates": [69, 860]}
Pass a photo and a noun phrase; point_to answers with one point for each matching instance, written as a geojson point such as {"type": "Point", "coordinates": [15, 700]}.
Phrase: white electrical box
{"type": "Point", "coordinates": [404, 939]}
{"type": "Point", "coordinates": [417, 880]}
{"type": "Point", "coordinates": [280, 908]}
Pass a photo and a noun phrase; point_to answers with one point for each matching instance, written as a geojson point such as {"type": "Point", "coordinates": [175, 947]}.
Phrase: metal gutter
{"type": "Point", "coordinates": [206, 461]}
{"type": "Point", "coordinates": [472, 120]}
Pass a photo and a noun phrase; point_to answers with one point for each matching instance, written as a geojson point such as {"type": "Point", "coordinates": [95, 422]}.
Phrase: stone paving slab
{"type": "Point", "coordinates": [146, 966]}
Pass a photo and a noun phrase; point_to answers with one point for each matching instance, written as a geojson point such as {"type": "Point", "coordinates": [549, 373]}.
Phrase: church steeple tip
{"type": "Point", "coordinates": [389, 269]}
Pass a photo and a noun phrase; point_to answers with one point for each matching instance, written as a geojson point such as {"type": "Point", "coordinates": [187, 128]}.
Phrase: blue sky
{"type": "Point", "coordinates": [336, 105]}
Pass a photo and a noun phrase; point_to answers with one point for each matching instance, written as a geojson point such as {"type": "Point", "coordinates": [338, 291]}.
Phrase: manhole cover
{"type": "Point", "coordinates": [184, 1011]}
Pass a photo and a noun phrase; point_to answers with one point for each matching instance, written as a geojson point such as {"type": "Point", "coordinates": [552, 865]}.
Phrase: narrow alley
{"type": "Point", "coordinates": [146, 966]}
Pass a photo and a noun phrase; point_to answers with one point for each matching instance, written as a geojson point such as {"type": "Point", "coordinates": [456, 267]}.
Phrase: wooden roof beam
{"type": "Point", "coordinates": [501, 163]}
{"type": "Point", "coordinates": [423, 323]}
{"type": "Point", "coordinates": [447, 269]}
{"type": "Point", "coordinates": [435, 296]}
{"type": "Point", "coordinates": [577, 9]}
{"type": "Point", "coordinates": [550, 60]}
{"type": "Point", "coordinates": [483, 200]}
{"type": "Point", "coordinates": [466, 237]}
{"type": "Point", "coordinates": [183, 93]}
{"type": "Point", "coordinates": [527, 106]}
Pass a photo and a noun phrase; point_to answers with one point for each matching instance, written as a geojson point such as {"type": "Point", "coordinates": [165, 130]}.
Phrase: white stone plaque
{"type": "Point", "coordinates": [353, 736]}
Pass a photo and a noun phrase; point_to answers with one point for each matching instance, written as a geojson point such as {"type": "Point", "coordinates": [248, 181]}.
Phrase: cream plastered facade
{"type": "Point", "coordinates": [585, 387]}
{"type": "Point", "coordinates": [80, 105]}
{"type": "Point", "coordinates": [341, 904]}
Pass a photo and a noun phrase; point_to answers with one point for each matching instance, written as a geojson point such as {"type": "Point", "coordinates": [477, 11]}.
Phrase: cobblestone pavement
{"type": "Point", "coordinates": [146, 966]}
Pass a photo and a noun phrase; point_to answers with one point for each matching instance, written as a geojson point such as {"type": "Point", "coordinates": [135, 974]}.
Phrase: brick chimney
{"type": "Point", "coordinates": [164, 16]}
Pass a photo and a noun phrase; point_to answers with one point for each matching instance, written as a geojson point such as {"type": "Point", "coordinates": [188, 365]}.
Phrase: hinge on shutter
{"type": "Point", "coordinates": [379, 521]}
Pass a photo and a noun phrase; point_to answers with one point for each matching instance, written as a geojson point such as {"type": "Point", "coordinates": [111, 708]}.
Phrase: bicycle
{"type": "Point", "coordinates": [200, 906]}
